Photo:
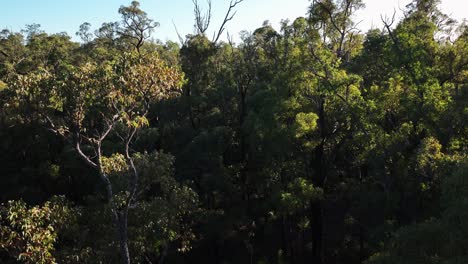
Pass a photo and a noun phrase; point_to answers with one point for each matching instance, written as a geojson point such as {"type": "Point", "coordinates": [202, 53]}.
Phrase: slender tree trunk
{"type": "Point", "coordinates": [216, 251]}
{"type": "Point", "coordinates": [284, 244]}
{"type": "Point", "coordinates": [317, 231]}
{"type": "Point", "coordinates": [120, 219]}
{"type": "Point", "coordinates": [362, 254]}
{"type": "Point", "coordinates": [163, 255]}
{"type": "Point", "coordinates": [123, 235]}
{"type": "Point", "coordinates": [316, 207]}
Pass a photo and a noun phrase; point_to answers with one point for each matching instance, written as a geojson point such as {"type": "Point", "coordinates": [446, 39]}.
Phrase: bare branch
{"type": "Point", "coordinates": [230, 39]}
{"type": "Point", "coordinates": [85, 157]}
{"type": "Point", "coordinates": [4, 53]}
{"type": "Point", "coordinates": [135, 175]}
{"type": "Point", "coordinates": [202, 21]}
{"type": "Point", "coordinates": [387, 21]}
{"type": "Point", "coordinates": [110, 126]}
{"type": "Point", "coordinates": [181, 40]}
{"type": "Point", "coordinates": [388, 24]}
{"type": "Point", "coordinates": [227, 18]}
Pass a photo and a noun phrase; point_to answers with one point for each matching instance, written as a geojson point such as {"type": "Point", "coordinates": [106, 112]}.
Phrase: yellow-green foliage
{"type": "Point", "coordinates": [30, 232]}
{"type": "Point", "coordinates": [306, 123]}
{"type": "Point", "coordinates": [114, 164]}
{"type": "Point", "coordinates": [429, 156]}
{"type": "Point", "coordinates": [299, 194]}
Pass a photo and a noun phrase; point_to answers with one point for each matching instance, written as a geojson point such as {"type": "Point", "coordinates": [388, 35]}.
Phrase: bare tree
{"type": "Point", "coordinates": [203, 19]}
{"type": "Point", "coordinates": [229, 16]}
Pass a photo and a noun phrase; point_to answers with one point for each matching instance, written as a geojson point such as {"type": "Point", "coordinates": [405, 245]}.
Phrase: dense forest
{"type": "Point", "coordinates": [314, 143]}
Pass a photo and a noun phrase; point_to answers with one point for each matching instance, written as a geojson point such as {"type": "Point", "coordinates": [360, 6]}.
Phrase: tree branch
{"type": "Point", "coordinates": [4, 53]}
{"type": "Point", "coordinates": [227, 18]}
{"type": "Point", "coordinates": [85, 157]}
{"type": "Point", "coordinates": [202, 22]}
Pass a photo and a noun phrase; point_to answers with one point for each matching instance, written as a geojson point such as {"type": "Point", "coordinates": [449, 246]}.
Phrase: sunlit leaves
{"type": "Point", "coordinates": [31, 231]}
{"type": "Point", "coordinates": [114, 164]}
{"type": "Point", "coordinates": [429, 156]}
{"type": "Point", "coordinates": [306, 122]}
{"type": "Point", "coordinates": [299, 194]}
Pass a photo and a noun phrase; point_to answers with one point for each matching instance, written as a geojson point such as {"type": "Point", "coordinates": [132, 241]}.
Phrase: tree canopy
{"type": "Point", "coordinates": [313, 143]}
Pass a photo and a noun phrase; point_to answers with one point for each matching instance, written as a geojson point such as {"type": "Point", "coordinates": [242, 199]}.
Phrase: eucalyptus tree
{"type": "Point", "coordinates": [135, 26]}
{"type": "Point", "coordinates": [327, 101]}
{"type": "Point", "coordinates": [87, 104]}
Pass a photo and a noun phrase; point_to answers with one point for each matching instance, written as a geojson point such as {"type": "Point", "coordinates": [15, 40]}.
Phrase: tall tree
{"type": "Point", "coordinates": [88, 104]}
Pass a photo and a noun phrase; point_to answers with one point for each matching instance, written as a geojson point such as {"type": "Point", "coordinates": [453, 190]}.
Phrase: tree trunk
{"type": "Point", "coordinates": [120, 219]}
{"type": "Point", "coordinates": [320, 169]}
{"type": "Point", "coordinates": [123, 235]}
{"type": "Point", "coordinates": [317, 231]}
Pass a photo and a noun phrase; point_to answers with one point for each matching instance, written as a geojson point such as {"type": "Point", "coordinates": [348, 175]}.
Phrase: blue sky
{"type": "Point", "coordinates": [66, 15]}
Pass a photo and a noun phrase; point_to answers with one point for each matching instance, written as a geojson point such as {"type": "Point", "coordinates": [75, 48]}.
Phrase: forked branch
{"type": "Point", "coordinates": [202, 21]}
{"type": "Point", "coordinates": [229, 16]}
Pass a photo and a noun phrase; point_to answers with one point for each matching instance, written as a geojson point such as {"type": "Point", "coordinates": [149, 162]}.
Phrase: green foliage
{"type": "Point", "coordinates": [313, 143]}
{"type": "Point", "coordinates": [429, 157]}
{"type": "Point", "coordinates": [307, 122]}
{"type": "Point", "coordinates": [29, 233]}
{"type": "Point", "coordinates": [299, 194]}
{"type": "Point", "coordinates": [167, 206]}
{"type": "Point", "coordinates": [439, 240]}
{"type": "Point", "coordinates": [114, 164]}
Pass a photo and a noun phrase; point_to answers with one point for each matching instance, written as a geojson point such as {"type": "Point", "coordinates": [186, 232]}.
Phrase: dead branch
{"type": "Point", "coordinates": [181, 40]}
{"type": "Point", "coordinates": [202, 21]}
{"type": "Point", "coordinates": [388, 24]}
{"type": "Point", "coordinates": [229, 16]}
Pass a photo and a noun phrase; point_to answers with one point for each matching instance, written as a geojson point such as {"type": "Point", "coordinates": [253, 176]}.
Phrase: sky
{"type": "Point", "coordinates": [57, 16]}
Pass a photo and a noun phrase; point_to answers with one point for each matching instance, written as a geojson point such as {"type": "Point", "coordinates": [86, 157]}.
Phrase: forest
{"type": "Point", "coordinates": [314, 143]}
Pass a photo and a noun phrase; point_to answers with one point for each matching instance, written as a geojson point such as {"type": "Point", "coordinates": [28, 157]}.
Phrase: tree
{"type": "Point", "coordinates": [434, 240]}
{"type": "Point", "coordinates": [88, 104]}
{"type": "Point", "coordinates": [135, 25]}
{"type": "Point", "coordinates": [309, 143]}
{"type": "Point", "coordinates": [30, 233]}
{"type": "Point", "coordinates": [84, 33]}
